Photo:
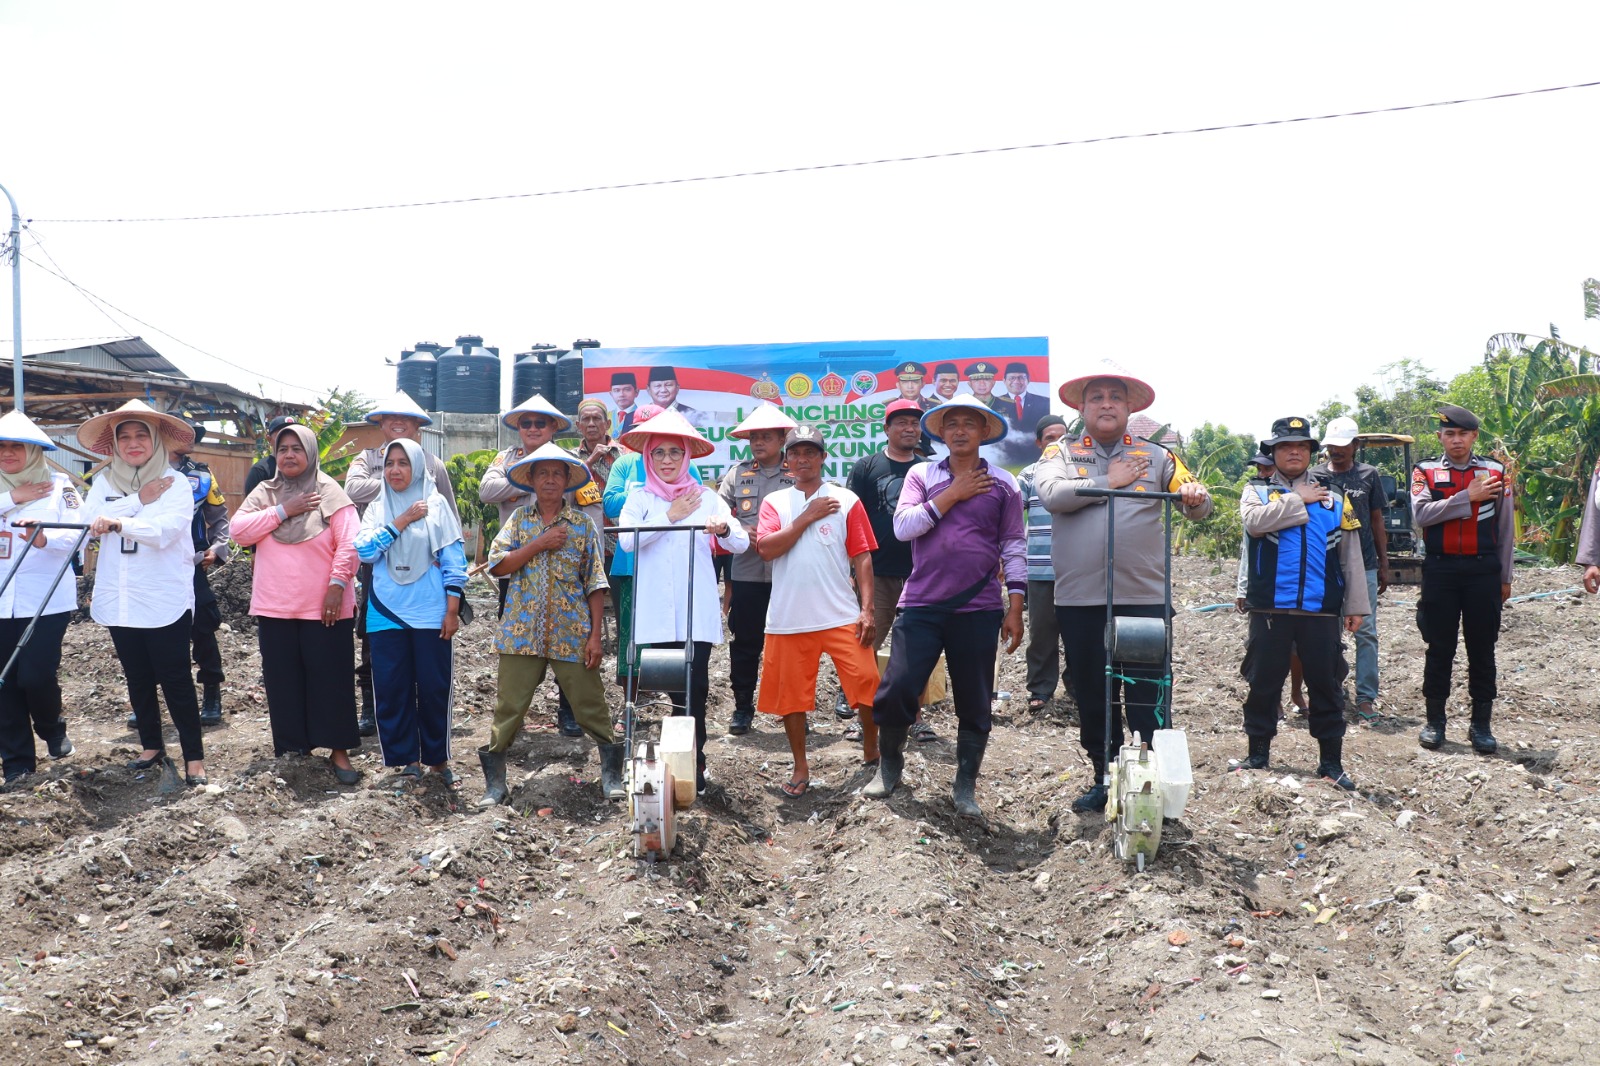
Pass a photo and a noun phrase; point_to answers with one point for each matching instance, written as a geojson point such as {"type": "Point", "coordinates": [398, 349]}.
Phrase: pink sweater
{"type": "Point", "coordinates": [291, 579]}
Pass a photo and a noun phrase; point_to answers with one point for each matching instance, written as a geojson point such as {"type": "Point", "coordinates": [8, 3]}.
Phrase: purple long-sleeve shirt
{"type": "Point", "coordinates": [956, 558]}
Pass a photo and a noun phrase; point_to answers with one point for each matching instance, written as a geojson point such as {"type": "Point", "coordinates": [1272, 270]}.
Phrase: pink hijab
{"type": "Point", "coordinates": [667, 490]}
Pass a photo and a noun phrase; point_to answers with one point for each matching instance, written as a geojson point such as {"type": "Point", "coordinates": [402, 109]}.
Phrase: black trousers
{"type": "Point", "coordinates": [152, 657]}
{"type": "Point", "coordinates": [364, 667]}
{"type": "Point", "coordinates": [1460, 594]}
{"type": "Point", "coordinates": [699, 679]}
{"type": "Point", "coordinates": [302, 662]}
{"type": "Point", "coordinates": [1083, 635]}
{"type": "Point", "coordinates": [747, 623]}
{"type": "Point", "coordinates": [1318, 640]}
{"type": "Point", "coordinates": [32, 690]}
{"type": "Point", "coordinates": [203, 634]}
{"type": "Point", "coordinates": [969, 641]}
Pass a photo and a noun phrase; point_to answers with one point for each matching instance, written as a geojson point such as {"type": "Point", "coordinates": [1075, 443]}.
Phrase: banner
{"type": "Point", "coordinates": [840, 386]}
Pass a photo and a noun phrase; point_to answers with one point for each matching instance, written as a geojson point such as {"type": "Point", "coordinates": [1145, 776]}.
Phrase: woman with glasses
{"type": "Point", "coordinates": [671, 496]}
{"type": "Point", "coordinates": [141, 510]}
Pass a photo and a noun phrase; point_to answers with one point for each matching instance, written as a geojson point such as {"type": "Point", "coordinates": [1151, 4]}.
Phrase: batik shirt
{"type": "Point", "coordinates": [547, 602]}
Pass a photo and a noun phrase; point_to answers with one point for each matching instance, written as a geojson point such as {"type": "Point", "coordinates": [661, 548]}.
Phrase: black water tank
{"type": "Point", "coordinates": [417, 377]}
{"type": "Point", "coordinates": [569, 383]}
{"type": "Point", "coordinates": [469, 378]}
{"type": "Point", "coordinates": [534, 373]}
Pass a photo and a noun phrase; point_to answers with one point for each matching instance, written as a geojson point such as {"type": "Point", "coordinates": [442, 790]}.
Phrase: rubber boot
{"type": "Point", "coordinates": [1483, 741]}
{"type": "Point", "coordinates": [1260, 754]}
{"type": "Point", "coordinates": [211, 704]}
{"type": "Point", "coordinates": [566, 721]}
{"type": "Point", "coordinates": [970, 746]}
{"type": "Point", "coordinates": [1331, 765]}
{"type": "Point", "coordinates": [1432, 735]}
{"type": "Point", "coordinates": [1094, 798]}
{"type": "Point", "coordinates": [367, 723]}
{"type": "Point", "coordinates": [494, 778]}
{"type": "Point", "coordinates": [611, 785]}
{"type": "Point", "coordinates": [891, 762]}
{"type": "Point", "coordinates": [744, 712]}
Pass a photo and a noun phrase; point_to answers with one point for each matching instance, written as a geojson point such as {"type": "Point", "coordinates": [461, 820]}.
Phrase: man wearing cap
{"type": "Point", "coordinates": [1363, 488]}
{"type": "Point", "coordinates": [536, 421]}
{"type": "Point", "coordinates": [1021, 408]}
{"type": "Point", "coordinates": [211, 533]}
{"type": "Point", "coordinates": [267, 466]}
{"type": "Point", "coordinates": [1463, 503]}
{"type": "Point", "coordinates": [399, 418]}
{"type": "Point", "coordinates": [1107, 457]}
{"type": "Point", "coordinates": [743, 488]}
{"type": "Point", "coordinates": [815, 536]}
{"type": "Point", "coordinates": [1044, 638]}
{"type": "Point", "coordinates": [908, 378]}
{"type": "Point", "coordinates": [946, 380]}
{"type": "Point", "coordinates": [663, 383]}
{"type": "Point", "coordinates": [963, 517]}
{"type": "Point", "coordinates": [1305, 574]}
{"type": "Point", "coordinates": [625, 394]}
{"type": "Point", "coordinates": [553, 557]}
{"type": "Point", "coordinates": [980, 379]}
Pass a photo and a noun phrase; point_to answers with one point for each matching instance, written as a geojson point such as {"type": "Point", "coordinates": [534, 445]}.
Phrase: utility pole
{"type": "Point", "coordinates": [16, 301]}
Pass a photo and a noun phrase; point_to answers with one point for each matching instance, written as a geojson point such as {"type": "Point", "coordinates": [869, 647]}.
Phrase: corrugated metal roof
{"type": "Point", "coordinates": [132, 353]}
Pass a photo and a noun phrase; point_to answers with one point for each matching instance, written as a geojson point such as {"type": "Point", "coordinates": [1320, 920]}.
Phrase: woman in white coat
{"type": "Point", "coordinates": [670, 496]}
{"type": "Point", "coordinates": [31, 492]}
{"type": "Point", "coordinates": [141, 510]}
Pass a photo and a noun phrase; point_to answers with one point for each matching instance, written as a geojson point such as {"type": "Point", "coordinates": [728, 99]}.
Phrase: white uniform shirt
{"type": "Point", "coordinates": [28, 585]}
{"type": "Point", "coordinates": [144, 578]}
{"type": "Point", "coordinates": [661, 569]}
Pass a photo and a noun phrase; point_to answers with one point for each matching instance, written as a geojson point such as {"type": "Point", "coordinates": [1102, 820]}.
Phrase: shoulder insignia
{"type": "Point", "coordinates": [1088, 441]}
{"type": "Point", "coordinates": [1127, 438]}
{"type": "Point", "coordinates": [1054, 449]}
{"type": "Point", "coordinates": [69, 496]}
{"type": "Point", "coordinates": [215, 496]}
{"type": "Point", "coordinates": [588, 495]}
{"type": "Point", "coordinates": [1138, 451]}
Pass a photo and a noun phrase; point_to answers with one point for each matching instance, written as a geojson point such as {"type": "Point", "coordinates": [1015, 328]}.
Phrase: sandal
{"type": "Point", "coordinates": [853, 731]}
{"type": "Point", "coordinates": [923, 733]}
{"type": "Point", "coordinates": [451, 779]}
{"type": "Point", "coordinates": [1035, 704]}
{"type": "Point", "coordinates": [796, 789]}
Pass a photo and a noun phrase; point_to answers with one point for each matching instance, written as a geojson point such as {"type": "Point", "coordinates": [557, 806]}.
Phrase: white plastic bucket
{"type": "Point", "coordinates": [677, 747]}
{"type": "Point", "coordinates": [1177, 777]}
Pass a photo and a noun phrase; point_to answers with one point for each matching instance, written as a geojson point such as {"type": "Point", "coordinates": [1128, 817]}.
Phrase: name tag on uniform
{"type": "Point", "coordinates": [1441, 476]}
{"type": "Point", "coordinates": [5, 545]}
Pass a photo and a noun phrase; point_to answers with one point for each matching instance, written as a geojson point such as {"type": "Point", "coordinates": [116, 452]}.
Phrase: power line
{"type": "Point", "coordinates": [212, 355]}
{"type": "Point", "coordinates": [59, 340]}
{"type": "Point", "coordinates": [841, 166]}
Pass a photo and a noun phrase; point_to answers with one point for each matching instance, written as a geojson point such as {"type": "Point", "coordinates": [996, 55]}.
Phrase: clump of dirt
{"type": "Point", "coordinates": [1445, 913]}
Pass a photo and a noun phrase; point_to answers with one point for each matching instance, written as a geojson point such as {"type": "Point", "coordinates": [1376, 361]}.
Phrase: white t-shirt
{"type": "Point", "coordinates": [811, 582]}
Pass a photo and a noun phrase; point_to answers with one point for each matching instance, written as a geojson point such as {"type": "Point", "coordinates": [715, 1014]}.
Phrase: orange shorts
{"type": "Point", "coordinates": [789, 669]}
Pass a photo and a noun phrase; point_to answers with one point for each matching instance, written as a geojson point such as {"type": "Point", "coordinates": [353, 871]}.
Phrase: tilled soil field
{"type": "Point", "coordinates": [1444, 914]}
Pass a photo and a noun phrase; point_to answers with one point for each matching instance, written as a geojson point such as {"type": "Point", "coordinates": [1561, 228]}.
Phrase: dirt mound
{"type": "Point", "coordinates": [1445, 914]}
{"type": "Point", "coordinates": [232, 584]}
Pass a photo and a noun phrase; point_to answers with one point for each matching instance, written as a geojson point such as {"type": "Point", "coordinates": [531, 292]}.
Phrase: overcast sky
{"type": "Point", "coordinates": [1245, 274]}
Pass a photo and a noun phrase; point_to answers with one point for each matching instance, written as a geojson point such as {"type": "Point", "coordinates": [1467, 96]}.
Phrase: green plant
{"type": "Point", "coordinates": [466, 474]}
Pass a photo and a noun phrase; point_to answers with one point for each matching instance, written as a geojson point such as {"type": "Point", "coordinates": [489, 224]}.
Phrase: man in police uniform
{"type": "Point", "coordinates": [210, 532]}
{"type": "Point", "coordinates": [980, 379]}
{"type": "Point", "coordinates": [909, 376]}
{"type": "Point", "coordinates": [1463, 504]}
{"type": "Point", "coordinates": [750, 578]}
{"type": "Point", "coordinates": [1107, 457]}
{"type": "Point", "coordinates": [1305, 572]}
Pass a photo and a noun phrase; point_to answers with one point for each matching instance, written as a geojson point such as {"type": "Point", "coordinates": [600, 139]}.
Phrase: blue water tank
{"type": "Point", "coordinates": [468, 379]}
{"type": "Point", "coordinates": [417, 377]}
{"type": "Point", "coordinates": [534, 373]}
